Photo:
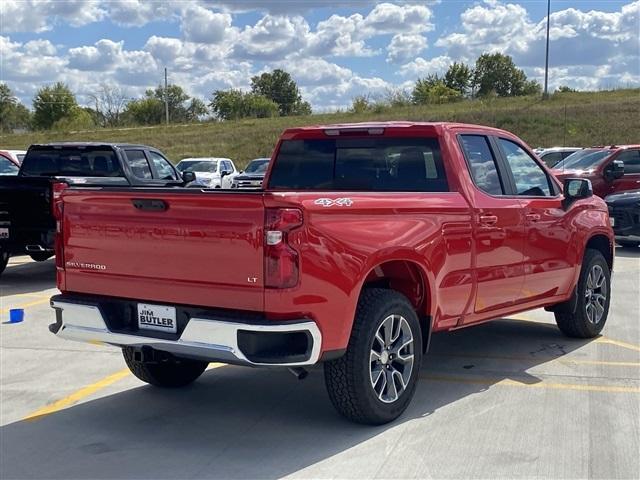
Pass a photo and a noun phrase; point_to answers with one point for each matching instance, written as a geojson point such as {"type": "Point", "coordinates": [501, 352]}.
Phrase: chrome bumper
{"type": "Point", "coordinates": [205, 339]}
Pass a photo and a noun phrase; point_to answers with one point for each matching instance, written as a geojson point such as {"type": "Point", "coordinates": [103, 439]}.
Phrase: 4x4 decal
{"type": "Point", "coordinates": [330, 202]}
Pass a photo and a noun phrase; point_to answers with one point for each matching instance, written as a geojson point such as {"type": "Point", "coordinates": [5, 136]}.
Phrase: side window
{"type": "Point", "coordinates": [7, 167]}
{"type": "Point", "coordinates": [481, 163]}
{"type": "Point", "coordinates": [550, 159]}
{"type": "Point", "coordinates": [164, 169]}
{"type": "Point", "coordinates": [631, 160]}
{"type": "Point", "coordinates": [138, 163]}
{"type": "Point", "coordinates": [530, 179]}
{"type": "Point", "coordinates": [226, 166]}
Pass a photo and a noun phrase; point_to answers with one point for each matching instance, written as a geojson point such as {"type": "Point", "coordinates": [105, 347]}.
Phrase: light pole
{"type": "Point", "coordinates": [166, 97]}
{"type": "Point", "coordinates": [546, 63]}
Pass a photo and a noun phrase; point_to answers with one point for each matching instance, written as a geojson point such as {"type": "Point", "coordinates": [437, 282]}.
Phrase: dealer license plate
{"type": "Point", "coordinates": [4, 233]}
{"type": "Point", "coordinates": [157, 317]}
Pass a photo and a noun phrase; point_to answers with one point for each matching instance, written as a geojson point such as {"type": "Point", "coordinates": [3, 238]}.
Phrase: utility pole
{"type": "Point", "coordinates": [546, 65]}
{"type": "Point", "coordinates": [166, 96]}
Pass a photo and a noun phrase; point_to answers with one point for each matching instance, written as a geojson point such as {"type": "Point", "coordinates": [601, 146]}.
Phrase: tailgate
{"type": "Point", "coordinates": [170, 246]}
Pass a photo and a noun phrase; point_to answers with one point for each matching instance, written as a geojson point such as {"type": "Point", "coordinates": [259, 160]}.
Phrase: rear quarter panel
{"type": "Point", "coordinates": [340, 245]}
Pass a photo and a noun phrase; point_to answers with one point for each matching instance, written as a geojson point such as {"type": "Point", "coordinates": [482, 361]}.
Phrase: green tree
{"type": "Point", "coordinates": [52, 104]}
{"type": "Point", "coordinates": [279, 87]}
{"type": "Point", "coordinates": [360, 104]}
{"type": "Point", "coordinates": [458, 77]}
{"type": "Point", "coordinates": [428, 91]}
{"type": "Point", "coordinates": [13, 114]}
{"type": "Point", "coordinates": [235, 104]}
{"type": "Point", "coordinates": [77, 119]}
{"type": "Point", "coordinates": [497, 73]}
{"type": "Point", "coordinates": [565, 89]}
{"type": "Point", "coordinates": [176, 98]}
{"type": "Point", "coordinates": [144, 111]}
{"type": "Point", "coordinates": [195, 110]}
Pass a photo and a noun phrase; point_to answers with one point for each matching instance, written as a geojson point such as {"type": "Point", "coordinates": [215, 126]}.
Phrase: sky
{"type": "Point", "coordinates": [334, 49]}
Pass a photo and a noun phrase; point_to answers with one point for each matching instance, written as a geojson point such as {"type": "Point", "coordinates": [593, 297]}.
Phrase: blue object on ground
{"type": "Point", "coordinates": [16, 315]}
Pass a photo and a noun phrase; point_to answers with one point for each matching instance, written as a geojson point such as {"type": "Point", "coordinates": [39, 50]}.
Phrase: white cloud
{"type": "Point", "coordinates": [201, 25]}
{"type": "Point", "coordinates": [391, 18]}
{"type": "Point", "coordinates": [404, 47]}
{"type": "Point", "coordinates": [421, 67]}
{"type": "Point", "coordinates": [42, 15]}
{"type": "Point", "coordinates": [273, 37]}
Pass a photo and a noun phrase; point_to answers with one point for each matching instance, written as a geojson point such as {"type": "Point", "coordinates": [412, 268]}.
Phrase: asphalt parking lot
{"type": "Point", "coordinates": [508, 399]}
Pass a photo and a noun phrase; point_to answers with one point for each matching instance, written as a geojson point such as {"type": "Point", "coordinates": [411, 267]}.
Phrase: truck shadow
{"type": "Point", "coordinates": [23, 276]}
{"type": "Point", "coordinates": [251, 423]}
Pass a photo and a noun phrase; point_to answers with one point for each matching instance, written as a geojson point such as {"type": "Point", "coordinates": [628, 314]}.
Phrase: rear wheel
{"type": "Point", "coordinates": [628, 243]}
{"type": "Point", "coordinates": [4, 259]}
{"type": "Point", "coordinates": [584, 315]}
{"type": "Point", "coordinates": [169, 373]}
{"type": "Point", "coordinates": [40, 257]}
{"type": "Point", "coordinates": [374, 381]}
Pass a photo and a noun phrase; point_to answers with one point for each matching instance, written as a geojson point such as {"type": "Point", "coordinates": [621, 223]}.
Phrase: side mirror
{"type": "Point", "coordinates": [614, 170]}
{"type": "Point", "coordinates": [241, 171]}
{"type": "Point", "coordinates": [225, 173]}
{"type": "Point", "coordinates": [576, 189]}
{"type": "Point", "coordinates": [188, 177]}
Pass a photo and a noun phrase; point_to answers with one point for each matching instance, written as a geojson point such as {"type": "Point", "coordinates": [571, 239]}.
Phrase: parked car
{"type": "Point", "coordinates": [210, 172]}
{"type": "Point", "coordinates": [16, 156]}
{"type": "Point", "coordinates": [8, 166]}
{"type": "Point", "coordinates": [611, 169]}
{"type": "Point", "coordinates": [551, 156]}
{"type": "Point", "coordinates": [624, 211]}
{"type": "Point", "coordinates": [366, 239]}
{"type": "Point", "coordinates": [252, 176]}
{"type": "Point", "coordinates": [27, 222]}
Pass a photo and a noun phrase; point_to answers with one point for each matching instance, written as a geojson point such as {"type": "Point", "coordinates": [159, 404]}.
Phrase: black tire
{"type": "Point", "coordinates": [349, 379]}
{"type": "Point", "coordinates": [40, 257]}
{"type": "Point", "coordinates": [4, 259]}
{"type": "Point", "coordinates": [572, 318]}
{"type": "Point", "coordinates": [172, 373]}
{"type": "Point", "coordinates": [628, 243]}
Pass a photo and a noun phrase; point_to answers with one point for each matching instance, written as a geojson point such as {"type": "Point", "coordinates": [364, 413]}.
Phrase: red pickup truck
{"type": "Point", "coordinates": [365, 240]}
{"type": "Point", "coordinates": [612, 169]}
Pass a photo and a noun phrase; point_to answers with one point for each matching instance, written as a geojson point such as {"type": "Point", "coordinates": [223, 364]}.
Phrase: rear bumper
{"type": "Point", "coordinates": [293, 343]}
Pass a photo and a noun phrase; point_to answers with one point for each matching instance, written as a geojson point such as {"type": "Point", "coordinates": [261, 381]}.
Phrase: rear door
{"type": "Point", "coordinates": [170, 245]}
{"type": "Point", "coordinates": [499, 233]}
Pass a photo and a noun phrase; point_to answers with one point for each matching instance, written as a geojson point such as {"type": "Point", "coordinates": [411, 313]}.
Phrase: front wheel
{"type": "Point", "coordinates": [168, 373]}
{"type": "Point", "coordinates": [374, 381]}
{"type": "Point", "coordinates": [591, 304]}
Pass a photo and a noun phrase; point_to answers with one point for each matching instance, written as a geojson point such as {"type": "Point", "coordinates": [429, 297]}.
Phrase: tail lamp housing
{"type": "Point", "coordinates": [281, 260]}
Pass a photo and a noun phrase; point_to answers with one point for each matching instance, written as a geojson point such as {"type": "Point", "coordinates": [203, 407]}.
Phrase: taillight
{"type": "Point", "coordinates": [56, 207]}
{"type": "Point", "coordinates": [281, 264]}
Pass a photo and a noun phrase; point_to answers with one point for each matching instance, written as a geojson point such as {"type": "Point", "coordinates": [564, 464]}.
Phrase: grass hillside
{"type": "Point", "coordinates": [570, 119]}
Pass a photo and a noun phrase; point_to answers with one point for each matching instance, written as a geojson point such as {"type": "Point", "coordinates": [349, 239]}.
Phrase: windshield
{"type": "Point", "coordinates": [583, 159]}
{"type": "Point", "coordinates": [71, 161]}
{"type": "Point", "coordinates": [200, 166]}
{"type": "Point", "coordinates": [257, 166]}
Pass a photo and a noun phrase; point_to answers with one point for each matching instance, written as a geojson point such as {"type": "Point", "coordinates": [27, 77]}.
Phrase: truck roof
{"type": "Point", "coordinates": [92, 144]}
{"type": "Point", "coordinates": [391, 124]}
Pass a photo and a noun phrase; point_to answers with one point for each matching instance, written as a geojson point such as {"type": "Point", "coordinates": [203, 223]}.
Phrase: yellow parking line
{"type": "Point", "coordinates": [542, 384]}
{"type": "Point", "coordinates": [84, 392]}
{"type": "Point", "coordinates": [618, 343]}
{"type": "Point", "coordinates": [78, 395]}
{"type": "Point", "coordinates": [26, 305]}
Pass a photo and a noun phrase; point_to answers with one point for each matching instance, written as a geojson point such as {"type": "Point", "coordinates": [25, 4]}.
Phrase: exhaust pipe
{"type": "Point", "coordinates": [299, 372]}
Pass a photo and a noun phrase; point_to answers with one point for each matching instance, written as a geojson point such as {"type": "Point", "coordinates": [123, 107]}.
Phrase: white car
{"type": "Point", "coordinates": [15, 155]}
{"type": "Point", "coordinates": [551, 156]}
{"type": "Point", "coordinates": [211, 172]}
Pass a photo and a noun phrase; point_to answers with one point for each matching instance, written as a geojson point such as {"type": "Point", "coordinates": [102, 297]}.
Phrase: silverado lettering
{"type": "Point", "coordinates": [364, 240]}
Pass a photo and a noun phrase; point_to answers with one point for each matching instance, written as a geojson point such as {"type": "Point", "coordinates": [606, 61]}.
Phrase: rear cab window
{"type": "Point", "coordinates": [482, 163]}
{"type": "Point", "coordinates": [360, 164]}
{"type": "Point", "coordinates": [71, 161]}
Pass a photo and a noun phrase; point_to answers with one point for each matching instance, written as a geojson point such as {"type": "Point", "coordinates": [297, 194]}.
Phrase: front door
{"type": "Point", "coordinates": [547, 266]}
{"type": "Point", "coordinates": [631, 178]}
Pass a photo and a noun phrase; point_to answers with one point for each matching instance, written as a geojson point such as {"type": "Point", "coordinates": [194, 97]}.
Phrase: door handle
{"type": "Point", "coordinates": [149, 204]}
{"type": "Point", "coordinates": [488, 220]}
{"type": "Point", "coordinates": [532, 217]}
